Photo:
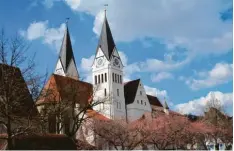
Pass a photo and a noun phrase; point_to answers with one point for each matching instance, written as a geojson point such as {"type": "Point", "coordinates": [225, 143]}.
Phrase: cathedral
{"type": "Point", "coordinates": [123, 101]}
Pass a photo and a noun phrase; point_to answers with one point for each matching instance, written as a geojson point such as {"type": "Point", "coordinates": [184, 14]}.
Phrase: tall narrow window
{"type": "Point", "coordinates": [117, 92]}
{"type": "Point", "coordinates": [145, 103]}
{"type": "Point", "coordinates": [117, 78]}
{"type": "Point", "coordinates": [105, 77]}
{"type": "Point", "coordinates": [138, 101]}
{"type": "Point", "coordinates": [95, 79]}
{"type": "Point", "coordinates": [140, 93]}
{"type": "Point", "coordinates": [105, 92]}
{"type": "Point", "coordinates": [141, 102]}
{"type": "Point", "coordinates": [102, 78]}
{"type": "Point", "coordinates": [119, 105]}
{"type": "Point", "coordinates": [120, 78]}
{"type": "Point", "coordinates": [113, 77]}
{"type": "Point", "coordinates": [99, 78]}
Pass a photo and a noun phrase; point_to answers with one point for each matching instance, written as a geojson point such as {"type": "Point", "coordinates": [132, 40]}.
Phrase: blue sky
{"type": "Point", "coordinates": [181, 49]}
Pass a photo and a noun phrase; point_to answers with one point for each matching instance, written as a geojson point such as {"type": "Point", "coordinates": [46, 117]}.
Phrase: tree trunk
{"type": "Point", "coordinates": [9, 138]}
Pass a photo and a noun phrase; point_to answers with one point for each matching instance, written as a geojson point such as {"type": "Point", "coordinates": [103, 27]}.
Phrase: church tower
{"type": "Point", "coordinates": [66, 65]}
{"type": "Point", "coordinates": [107, 72]}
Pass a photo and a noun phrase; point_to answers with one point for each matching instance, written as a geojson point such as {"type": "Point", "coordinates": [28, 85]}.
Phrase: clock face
{"type": "Point", "coordinates": [116, 62]}
{"type": "Point", "coordinates": [100, 62]}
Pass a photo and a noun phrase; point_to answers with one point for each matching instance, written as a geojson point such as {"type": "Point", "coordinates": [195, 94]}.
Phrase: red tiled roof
{"type": "Point", "coordinates": [65, 88]}
{"type": "Point", "coordinates": [95, 115]}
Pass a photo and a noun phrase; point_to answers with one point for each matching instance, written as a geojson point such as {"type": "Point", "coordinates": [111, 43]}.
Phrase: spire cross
{"type": "Point", "coordinates": [105, 5]}
{"type": "Point", "coordinates": [67, 19]}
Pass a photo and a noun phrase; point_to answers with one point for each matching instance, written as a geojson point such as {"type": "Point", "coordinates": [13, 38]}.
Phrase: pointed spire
{"type": "Point", "coordinates": [66, 55]}
{"type": "Point", "coordinates": [106, 41]}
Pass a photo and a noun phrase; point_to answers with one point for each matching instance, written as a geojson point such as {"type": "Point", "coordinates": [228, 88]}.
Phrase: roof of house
{"type": "Point", "coordinates": [154, 100]}
{"type": "Point", "coordinates": [60, 88]}
{"type": "Point", "coordinates": [130, 90]}
{"type": "Point", "coordinates": [106, 41]}
{"type": "Point", "coordinates": [95, 115]}
{"type": "Point", "coordinates": [12, 81]}
{"type": "Point", "coordinates": [67, 57]}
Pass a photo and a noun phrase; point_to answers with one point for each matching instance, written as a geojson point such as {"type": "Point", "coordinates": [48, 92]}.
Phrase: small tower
{"type": "Point", "coordinates": [166, 108]}
{"type": "Point", "coordinates": [66, 65]}
{"type": "Point", "coordinates": [107, 72]}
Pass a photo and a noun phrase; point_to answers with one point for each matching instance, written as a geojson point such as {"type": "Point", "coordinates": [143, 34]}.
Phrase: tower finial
{"type": "Point", "coordinates": [105, 5]}
{"type": "Point", "coordinates": [67, 19]}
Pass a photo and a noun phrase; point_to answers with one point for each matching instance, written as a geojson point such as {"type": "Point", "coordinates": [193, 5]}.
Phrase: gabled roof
{"type": "Point", "coordinates": [59, 88]}
{"type": "Point", "coordinates": [154, 100]}
{"type": "Point", "coordinates": [12, 81]}
{"type": "Point", "coordinates": [67, 57]}
{"type": "Point", "coordinates": [130, 90]}
{"type": "Point", "coordinates": [106, 41]}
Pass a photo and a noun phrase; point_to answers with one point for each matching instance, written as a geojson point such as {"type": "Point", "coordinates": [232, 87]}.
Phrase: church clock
{"type": "Point", "coordinates": [99, 62]}
{"type": "Point", "coordinates": [116, 62]}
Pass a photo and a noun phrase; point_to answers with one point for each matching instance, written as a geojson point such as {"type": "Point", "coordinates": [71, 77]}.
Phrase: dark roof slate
{"type": "Point", "coordinates": [130, 90]}
{"type": "Point", "coordinates": [106, 41]}
{"type": "Point", "coordinates": [67, 57]}
{"type": "Point", "coordinates": [154, 100]}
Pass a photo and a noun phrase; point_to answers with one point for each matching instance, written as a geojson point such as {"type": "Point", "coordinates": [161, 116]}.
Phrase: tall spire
{"type": "Point", "coordinates": [66, 56]}
{"type": "Point", "coordinates": [106, 41]}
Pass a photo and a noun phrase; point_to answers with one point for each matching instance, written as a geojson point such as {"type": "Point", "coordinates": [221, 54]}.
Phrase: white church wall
{"type": "Point", "coordinates": [140, 105]}
{"type": "Point", "coordinates": [115, 106]}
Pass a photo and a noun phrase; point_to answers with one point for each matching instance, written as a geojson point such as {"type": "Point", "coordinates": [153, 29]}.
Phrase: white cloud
{"type": "Point", "coordinates": [86, 63]}
{"type": "Point", "coordinates": [161, 76]}
{"type": "Point", "coordinates": [36, 30]}
{"type": "Point", "coordinates": [48, 3]}
{"type": "Point", "coordinates": [161, 94]}
{"type": "Point", "coordinates": [175, 22]}
{"type": "Point", "coordinates": [86, 68]}
{"type": "Point", "coordinates": [220, 74]}
{"type": "Point", "coordinates": [197, 106]}
{"type": "Point", "coordinates": [50, 36]}
{"type": "Point", "coordinates": [123, 57]}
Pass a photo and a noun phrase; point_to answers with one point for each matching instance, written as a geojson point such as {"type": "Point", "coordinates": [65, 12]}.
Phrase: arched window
{"type": "Point", "coordinates": [105, 77]}
{"type": "Point", "coordinates": [95, 79]}
{"type": "Point", "coordinates": [102, 78]}
{"type": "Point", "coordinates": [113, 77]}
{"type": "Point", "coordinates": [120, 78]}
{"type": "Point", "coordinates": [117, 78]}
{"type": "Point", "coordinates": [99, 78]}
